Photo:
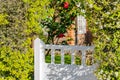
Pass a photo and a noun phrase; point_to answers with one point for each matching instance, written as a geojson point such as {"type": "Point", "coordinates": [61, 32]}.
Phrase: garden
{"type": "Point", "coordinates": [22, 21]}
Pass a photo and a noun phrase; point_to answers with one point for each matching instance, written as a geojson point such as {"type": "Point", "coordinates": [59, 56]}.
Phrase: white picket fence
{"type": "Point", "coordinates": [52, 71]}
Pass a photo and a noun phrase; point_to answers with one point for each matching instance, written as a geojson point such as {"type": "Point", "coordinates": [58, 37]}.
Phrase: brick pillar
{"type": "Point", "coordinates": [70, 37]}
{"type": "Point", "coordinates": [81, 39]}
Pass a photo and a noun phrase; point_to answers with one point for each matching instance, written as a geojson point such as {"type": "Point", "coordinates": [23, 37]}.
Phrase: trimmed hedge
{"type": "Point", "coordinates": [16, 65]}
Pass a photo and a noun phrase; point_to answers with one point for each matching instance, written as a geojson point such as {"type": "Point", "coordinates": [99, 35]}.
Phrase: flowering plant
{"type": "Point", "coordinates": [64, 15]}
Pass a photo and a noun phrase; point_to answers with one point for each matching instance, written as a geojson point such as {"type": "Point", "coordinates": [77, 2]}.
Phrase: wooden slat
{"type": "Point", "coordinates": [52, 56]}
{"type": "Point", "coordinates": [62, 56]}
{"type": "Point", "coordinates": [68, 47]}
{"type": "Point", "coordinates": [83, 61]}
{"type": "Point", "coordinates": [72, 57]}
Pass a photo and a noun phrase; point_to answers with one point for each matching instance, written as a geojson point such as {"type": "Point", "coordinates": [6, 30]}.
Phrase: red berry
{"type": "Point", "coordinates": [66, 5]}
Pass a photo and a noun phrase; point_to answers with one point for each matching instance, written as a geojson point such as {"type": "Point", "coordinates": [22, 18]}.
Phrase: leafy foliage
{"type": "Point", "coordinates": [16, 65]}
{"type": "Point", "coordinates": [104, 20]}
{"type": "Point", "coordinates": [19, 24]}
{"type": "Point", "coordinates": [3, 20]}
{"type": "Point", "coordinates": [64, 15]}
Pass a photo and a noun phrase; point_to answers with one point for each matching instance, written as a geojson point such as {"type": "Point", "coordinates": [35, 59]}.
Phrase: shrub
{"type": "Point", "coordinates": [16, 65]}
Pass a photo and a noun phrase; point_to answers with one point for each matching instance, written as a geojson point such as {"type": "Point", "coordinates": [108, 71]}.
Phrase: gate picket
{"type": "Point", "coordinates": [52, 71]}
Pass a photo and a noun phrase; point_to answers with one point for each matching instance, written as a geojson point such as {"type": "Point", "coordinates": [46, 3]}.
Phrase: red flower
{"type": "Point", "coordinates": [66, 5]}
{"type": "Point", "coordinates": [61, 35]}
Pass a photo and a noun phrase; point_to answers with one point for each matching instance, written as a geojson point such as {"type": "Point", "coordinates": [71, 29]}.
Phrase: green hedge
{"type": "Point", "coordinates": [15, 65]}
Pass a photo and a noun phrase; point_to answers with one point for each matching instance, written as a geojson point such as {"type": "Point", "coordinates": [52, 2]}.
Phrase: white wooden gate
{"type": "Point", "coordinates": [52, 71]}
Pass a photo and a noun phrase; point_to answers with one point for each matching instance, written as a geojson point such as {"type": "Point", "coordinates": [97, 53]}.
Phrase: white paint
{"type": "Point", "coordinates": [52, 56]}
{"type": "Point", "coordinates": [52, 71]}
{"type": "Point", "coordinates": [81, 24]}
{"type": "Point", "coordinates": [39, 60]}
{"type": "Point", "coordinates": [62, 56]}
{"type": "Point", "coordinates": [72, 57]}
{"type": "Point", "coordinates": [83, 58]}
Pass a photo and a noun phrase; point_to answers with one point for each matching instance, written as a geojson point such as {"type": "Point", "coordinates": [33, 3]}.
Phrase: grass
{"type": "Point", "coordinates": [67, 59]}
